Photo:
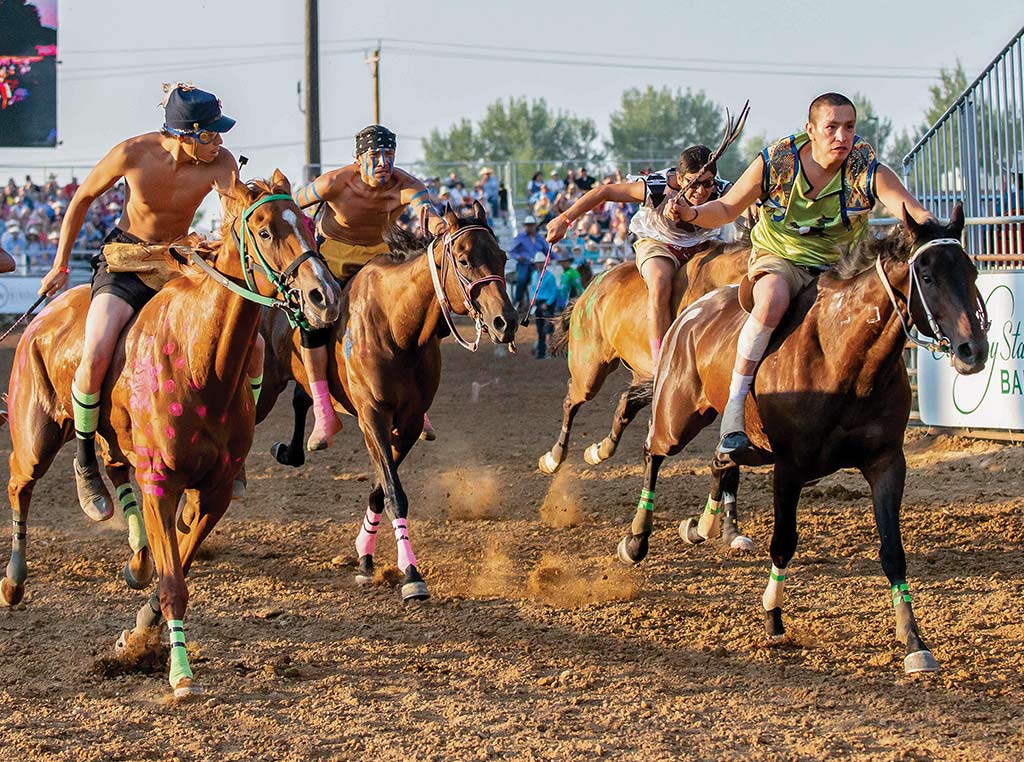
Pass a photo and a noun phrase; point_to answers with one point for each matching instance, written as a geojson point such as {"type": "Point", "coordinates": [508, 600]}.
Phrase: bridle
{"type": "Point", "coordinates": [438, 273]}
{"type": "Point", "coordinates": [941, 345]}
{"type": "Point", "coordinates": [290, 299]}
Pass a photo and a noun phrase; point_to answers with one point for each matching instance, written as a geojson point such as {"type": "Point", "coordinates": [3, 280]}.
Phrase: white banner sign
{"type": "Point", "coordinates": [18, 293]}
{"type": "Point", "coordinates": [993, 398]}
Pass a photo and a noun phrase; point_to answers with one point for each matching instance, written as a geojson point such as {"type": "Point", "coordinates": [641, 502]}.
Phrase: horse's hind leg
{"type": "Point", "coordinates": [719, 516]}
{"type": "Point", "coordinates": [366, 541]}
{"type": "Point", "coordinates": [630, 403]}
{"type": "Point", "coordinates": [28, 462]}
{"type": "Point", "coordinates": [585, 382]}
{"type": "Point", "coordinates": [633, 547]}
{"type": "Point", "coordinates": [787, 484]}
{"type": "Point", "coordinates": [139, 569]}
{"type": "Point", "coordinates": [293, 453]}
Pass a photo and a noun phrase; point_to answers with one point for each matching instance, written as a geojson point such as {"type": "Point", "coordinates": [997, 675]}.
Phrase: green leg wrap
{"type": "Point", "coordinates": [643, 519]}
{"type": "Point", "coordinates": [710, 522]}
{"type": "Point", "coordinates": [133, 517]}
{"type": "Point", "coordinates": [646, 500]}
{"type": "Point", "coordinates": [900, 594]}
{"type": "Point", "coordinates": [179, 656]}
{"type": "Point", "coordinates": [257, 386]}
{"type": "Point", "coordinates": [86, 408]}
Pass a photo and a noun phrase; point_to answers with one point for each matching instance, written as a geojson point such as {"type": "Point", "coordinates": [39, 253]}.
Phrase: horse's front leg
{"type": "Point", "coordinates": [718, 518]}
{"type": "Point", "coordinates": [787, 484]}
{"type": "Point", "coordinates": [139, 569]}
{"type": "Point", "coordinates": [633, 547]}
{"type": "Point", "coordinates": [887, 476]}
{"type": "Point", "coordinates": [377, 426]}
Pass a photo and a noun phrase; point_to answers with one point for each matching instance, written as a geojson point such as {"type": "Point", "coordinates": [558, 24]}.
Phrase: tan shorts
{"type": "Point", "coordinates": [345, 259]}
{"type": "Point", "coordinates": [648, 248]}
{"type": "Point", "coordinates": [764, 263]}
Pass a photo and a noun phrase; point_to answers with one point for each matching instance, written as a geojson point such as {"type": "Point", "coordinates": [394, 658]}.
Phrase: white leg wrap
{"type": "Point", "coordinates": [710, 522]}
{"type": "Point", "coordinates": [733, 417]}
{"type": "Point", "coordinates": [775, 593]}
{"type": "Point", "coordinates": [753, 340]}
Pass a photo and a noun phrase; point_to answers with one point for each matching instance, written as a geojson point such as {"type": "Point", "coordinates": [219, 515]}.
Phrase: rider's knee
{"type": "Point", "coordinates": [771, 299]}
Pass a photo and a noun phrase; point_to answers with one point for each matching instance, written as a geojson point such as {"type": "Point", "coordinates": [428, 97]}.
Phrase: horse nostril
{"type": "Point", "coordinates": [965, 352]}
{"type": "Point", "coordinates": [316, 298]}
{"type": "Point", "coordinates": [499, 325]}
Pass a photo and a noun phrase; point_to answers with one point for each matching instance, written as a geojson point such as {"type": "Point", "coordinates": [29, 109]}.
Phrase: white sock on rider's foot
{"type": "Point", "coordinates": [733, 418]}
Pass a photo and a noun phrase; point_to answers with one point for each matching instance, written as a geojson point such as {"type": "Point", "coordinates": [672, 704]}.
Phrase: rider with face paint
{"type": "Point", "coordinates": [361, 200]}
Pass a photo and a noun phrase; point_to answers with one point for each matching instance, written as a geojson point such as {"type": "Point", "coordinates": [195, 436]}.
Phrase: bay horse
{"type": "Point", "coordinates": [600, 330]}
{"type": "Point", "coordinates": [385, 366]}
{"type": "Point", "coordinates": [832, 391]}
{"type": "Point", "coordinates": [176, 404]}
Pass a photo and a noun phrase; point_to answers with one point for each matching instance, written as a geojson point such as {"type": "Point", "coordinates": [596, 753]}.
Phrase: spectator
{"type": "Point", "coordinates": [33, 249]}
{"type": "Point", "coordinates": [554, 185]}
{"type": "Point", "coordinates": [490, 184]}
{"type": "Point", "coordinates": [534, 188]}
{"type": "Point", "coordinates": [547, 295]}
{"type": "Point", "coordinates": [542, 208]}
{"type": "Point", "coordinates": [584, 181]}
{"type": "Point", "coordinates": [570, 285]}
{"type": "Point", "coordinates": [502, 201]}
{"type": "Point", "coordinates": [522, 251]}
{"type": "Point", "coordinates": [13, 240]}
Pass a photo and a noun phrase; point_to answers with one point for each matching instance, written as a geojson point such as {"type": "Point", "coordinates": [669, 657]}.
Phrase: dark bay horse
{"type": "Point", "coordinates": [385, 366]}
{"type": "Point", "coordinates": [832, 391]}
{"type": "Point", "coordinates": [176, 404]}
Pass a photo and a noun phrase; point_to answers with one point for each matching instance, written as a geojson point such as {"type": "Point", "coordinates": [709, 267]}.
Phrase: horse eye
{"type": "Point", "coordinates": [265, 235]}
{"type": "Point", "coordinates": [926, 278]}
{"type": "Point", "coordinates": [464, 262]}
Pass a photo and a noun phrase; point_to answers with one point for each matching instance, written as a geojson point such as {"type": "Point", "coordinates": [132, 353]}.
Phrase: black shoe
{"type": "Point", "coordinates": [732, 443]}
{"type": "Point", "coordinates": [92, 493]}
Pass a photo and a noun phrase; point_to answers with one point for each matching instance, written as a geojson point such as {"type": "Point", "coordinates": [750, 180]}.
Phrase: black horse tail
{"type": "Point", "coordinates": [642, 392]}
{"type": "Point", "coordinates": [559, 343]}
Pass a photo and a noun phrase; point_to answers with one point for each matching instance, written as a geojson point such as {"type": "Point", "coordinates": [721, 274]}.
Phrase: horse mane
{"type": "Point", "coordinates": [405, 244]}
{"type": "Point", "coordinates": [895, 246]}
{"type": "Point", "coordinates": [259, 188]}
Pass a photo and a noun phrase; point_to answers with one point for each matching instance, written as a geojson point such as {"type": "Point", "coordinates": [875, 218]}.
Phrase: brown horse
{"type": "Point", "coordinates": [386, 363]}
{"type": "Point", "coordinates": [832, 391]}
{"type": "Point", "coordinates": [176, 404]}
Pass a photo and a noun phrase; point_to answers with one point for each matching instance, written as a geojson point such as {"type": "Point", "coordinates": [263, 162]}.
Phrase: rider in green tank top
{"type": "Point", "coordinates": [817, 189]}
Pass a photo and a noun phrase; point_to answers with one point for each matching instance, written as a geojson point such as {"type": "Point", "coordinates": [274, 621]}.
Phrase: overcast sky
{"type": "Point", "coordinates": [446, 60]}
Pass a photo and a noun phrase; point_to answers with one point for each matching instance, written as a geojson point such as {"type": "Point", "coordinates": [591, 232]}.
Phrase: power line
{"type": "Point", "coordinates": [218, 46]}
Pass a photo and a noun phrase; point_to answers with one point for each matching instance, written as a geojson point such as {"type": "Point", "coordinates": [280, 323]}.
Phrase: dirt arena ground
{"type": "Point", "coordinates": [536, 643]}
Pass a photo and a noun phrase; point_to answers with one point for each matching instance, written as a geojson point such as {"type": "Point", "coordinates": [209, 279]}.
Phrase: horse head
{"type": "Point", "coordinates": [944, 299]}
{"type": "Point", "coordinates": [476, 283]}
{"type": "Point", "coordinates": [273, 245]}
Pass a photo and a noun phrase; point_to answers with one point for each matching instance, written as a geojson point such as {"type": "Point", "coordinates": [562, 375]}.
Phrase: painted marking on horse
{"type": "Point", "coordinates": [292, 219]}
{"type": "Point", "coordinates": [169, 431]}
{"type": "Point", "coordinates": [201, 411]}
{"type": "Point", "coordinates": [347, 344]}
{"type": "Point", "coordinates": [175, 408]}
{"type": "Point", "coordinates": [168, 386]}
{"type": "Point", "coordinates": [169, 348]}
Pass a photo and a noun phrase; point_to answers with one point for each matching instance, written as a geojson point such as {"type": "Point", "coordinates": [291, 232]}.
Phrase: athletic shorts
{"type": "Point", "coordinates": [648, 248]}
{"type": "Point", "coordinates": [126, 286]}
{"type": "Point", "coordinates": [797, 277]}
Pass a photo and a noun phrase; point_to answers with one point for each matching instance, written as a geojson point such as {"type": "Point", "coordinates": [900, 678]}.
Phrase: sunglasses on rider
{"type": "Point", "coordinates": [205, 137]}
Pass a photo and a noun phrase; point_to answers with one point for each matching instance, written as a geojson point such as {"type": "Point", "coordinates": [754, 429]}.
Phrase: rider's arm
{"type": "Point", "coordinates": [744, 192]}
{"type": "Point", "coordinates": [312, 193]}
{"type": "Point", "coordinates": [626, 193]}
{"type": "Point", "coordinates": [416, 195]}
{"type": "Point", "coordinates": [110, 169]}
{"type": "Point", "coordinates": [894, 197]}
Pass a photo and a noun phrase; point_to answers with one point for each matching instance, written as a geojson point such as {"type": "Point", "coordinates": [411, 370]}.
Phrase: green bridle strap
{"type": "Point", "coordinates": [243, 236]}
{"type": "Point", "coordinates": [230, 285]}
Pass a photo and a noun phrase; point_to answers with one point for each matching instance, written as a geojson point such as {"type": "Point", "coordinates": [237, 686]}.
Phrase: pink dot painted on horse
{"type": "Point", "coordinates": [153, 489]}
{"type": "Point", "coordinates": [175, 408]}
{"type": "Point", "coordinates": [201, 411]}
{"type": "Point", "coordinates": [170, 432]}
{"type": "Point", "coordinates": [168, 386]}
{"type": "Point", "coordinates": [224, 417]}
{"type": "Point", "coordinates": [179, 362]}
{"type": "Point", "coordinates": [169, 348]}
{"type": "Point", "coordinates": [195, 437]}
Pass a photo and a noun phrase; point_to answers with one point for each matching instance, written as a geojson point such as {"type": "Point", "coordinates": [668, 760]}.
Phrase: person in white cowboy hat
{"type": "Point", "coordinates": [523, 248]}
{"type": "Point", "coordinates": [547, 296]}
{"type": "Point", "coordinates": [490, 184]}
{"type": "Point", "coordinates": [13, 240]}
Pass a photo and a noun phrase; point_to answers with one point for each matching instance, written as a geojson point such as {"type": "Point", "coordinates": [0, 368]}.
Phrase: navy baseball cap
{"type": "Point", "coordinates": [188, 109]}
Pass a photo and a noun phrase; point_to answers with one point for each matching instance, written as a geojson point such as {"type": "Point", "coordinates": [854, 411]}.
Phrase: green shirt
{"type": "Point", "coordinates": [808, 232]}
{"type": "Point", "coordinates": [572, 284]}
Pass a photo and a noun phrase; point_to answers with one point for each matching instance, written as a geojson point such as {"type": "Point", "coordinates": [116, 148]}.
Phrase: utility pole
{"type": "Point", "coordinates": [312, 91]}
{"type": "Point", "coordinates": [374, 61]}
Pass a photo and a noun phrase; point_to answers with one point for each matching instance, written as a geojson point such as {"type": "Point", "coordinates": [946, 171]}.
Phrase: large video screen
{"type": "Point", "coordinates": [28, 73]}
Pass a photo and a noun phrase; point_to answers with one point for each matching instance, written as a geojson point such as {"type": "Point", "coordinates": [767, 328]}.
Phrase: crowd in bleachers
{"type": "Point", "coordinates": [31, 215]}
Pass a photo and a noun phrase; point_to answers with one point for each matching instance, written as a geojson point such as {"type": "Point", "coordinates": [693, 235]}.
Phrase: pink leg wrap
{"type": "Point", "coordinates": [367, 539]}
{"type": "Point", "coordinates": [406, 558]}
{"type": "Point", "coordinates": [322, 407]}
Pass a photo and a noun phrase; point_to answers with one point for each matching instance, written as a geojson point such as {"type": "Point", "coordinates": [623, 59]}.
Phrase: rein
{"type": "Point", "coordinates": [438, 272]}
{"type": "Point", "coordinates": [941, 345]}
{"type": "Point", "coordinates": [290, 301]}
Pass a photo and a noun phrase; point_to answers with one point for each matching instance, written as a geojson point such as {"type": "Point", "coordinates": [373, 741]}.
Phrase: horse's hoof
{"type": "Point", "coordinates": [187, 687]}
{"type": "Point", "coordinates": [773, 626]}
{"type": "Point", "coordinates": [688, 532]}
{"type": "Point", "coordinates": [122, 642]}
{"type": "Point", "coordinates": [624, 554]}
{"type": "Point", "coordinates": [11, 593]}
{"type": "Point", "coordinates": [593, 455]}
{"type": "Point", "coordinates": [139, 569]}
{"type": "Point", "coordinates": [547, 463]}
{"type": "Point", "coordinates": [920, 661]}
{"type": "Point", "coordinates": [283, 454]}
{"type": "Point", "coordinates": [413, 586]}
{"type": "Point", "coordinates": [742, 543]}
{"type": "Point", "coordinates": [237, 489]}
{"type": "Point", "coordinates": [364, 572]}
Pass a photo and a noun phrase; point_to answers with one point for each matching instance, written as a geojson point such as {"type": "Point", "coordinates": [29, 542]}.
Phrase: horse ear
{"type": "Point", "coordinates": [233, 194]}
{"type": "Point", "coordinates": [910, 223]}
{"type": "Point", "coordinates": [956, 220]}
{"type": "Point", "coordinates": [280, 183]}
{"type": "Point", "coordinates": [451, 217]}
{"type": "Point", "coordinates": [478, 210]}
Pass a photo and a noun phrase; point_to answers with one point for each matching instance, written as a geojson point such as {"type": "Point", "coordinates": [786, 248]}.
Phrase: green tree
{"type": "Point", "coordinates": [952, 82]}
{"type": "Point", "coordinates": [515, 130]}
{"type": "Point", "coordinates": [656, 125]}
{"type": "Point", "coordinates": [876, 129]}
